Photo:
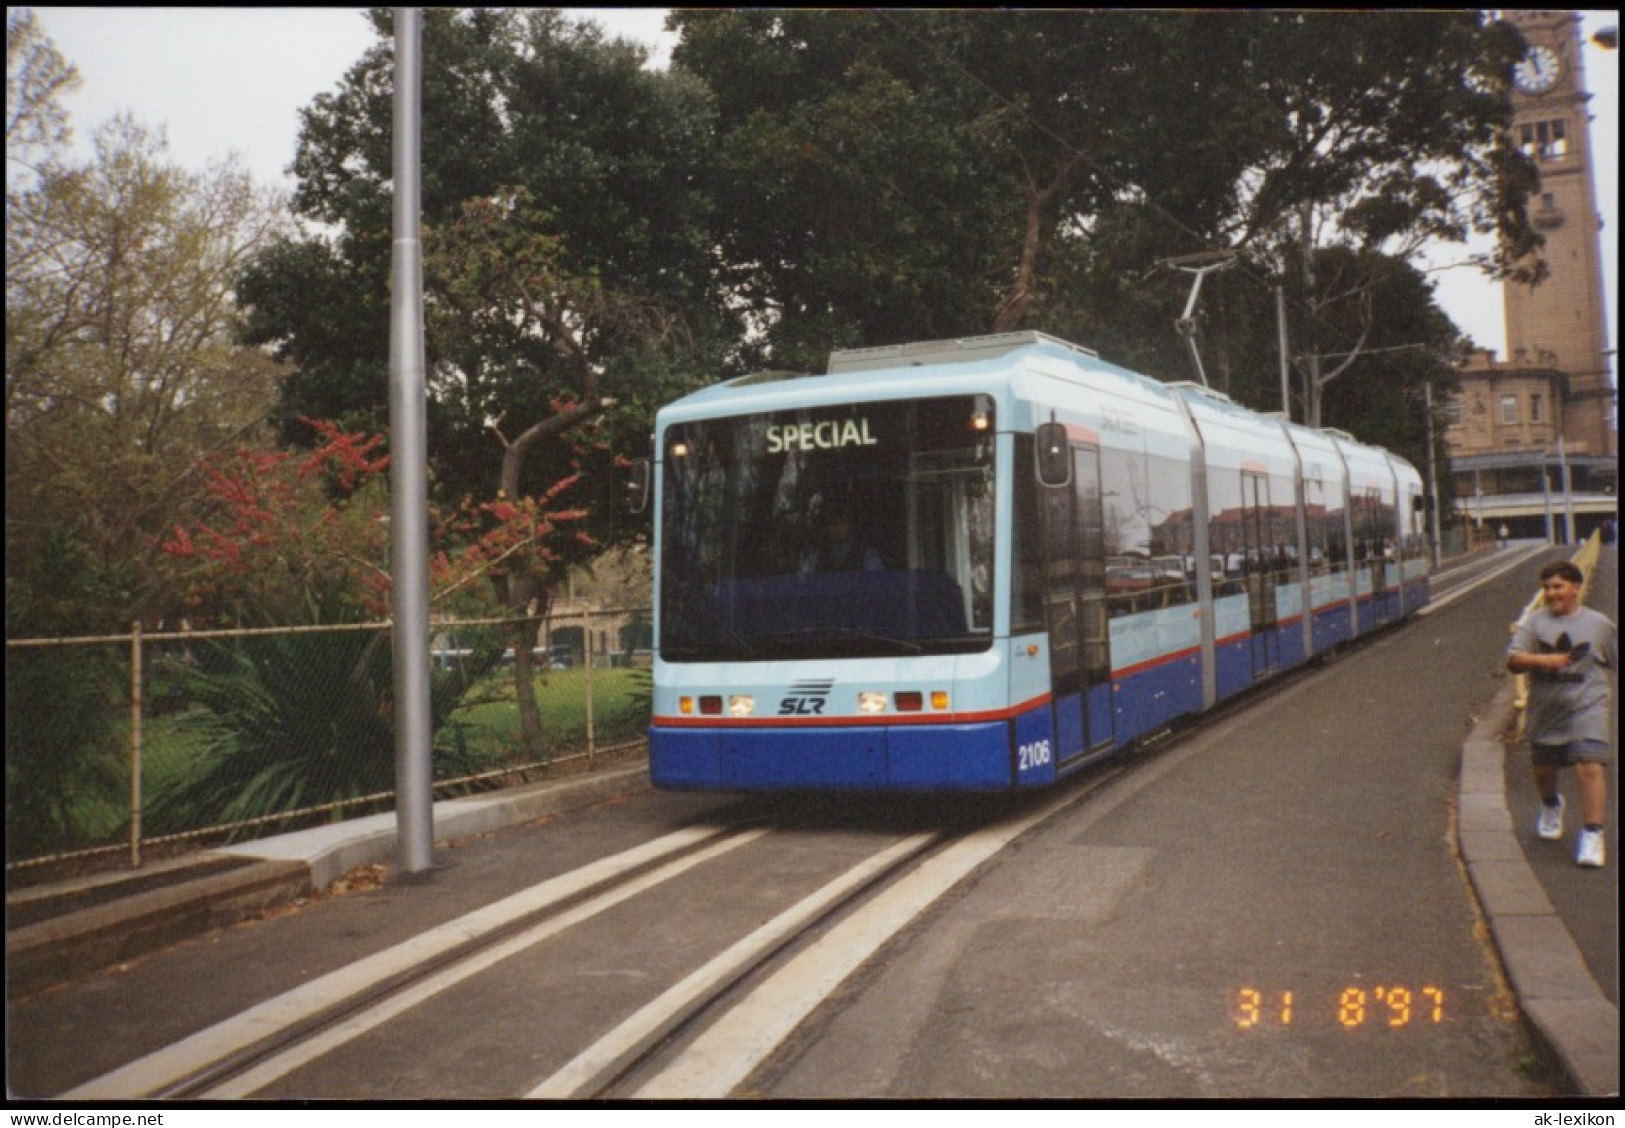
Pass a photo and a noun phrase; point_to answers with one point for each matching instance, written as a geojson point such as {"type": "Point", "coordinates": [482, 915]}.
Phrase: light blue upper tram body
{"type": "Point", "coordinates": [978, 564]}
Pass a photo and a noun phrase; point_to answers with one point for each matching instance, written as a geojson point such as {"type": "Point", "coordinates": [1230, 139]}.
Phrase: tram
{"type": "Point", "coordinates": [980, 564]}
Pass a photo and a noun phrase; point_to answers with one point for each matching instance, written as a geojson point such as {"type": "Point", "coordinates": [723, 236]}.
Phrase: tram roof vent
{"type": "Point", "coordinates": [955, 350]}
{"type": "Point", "coordinates": [1199, 389]}
{"type": "Point", "coordinates": [1338, 434]}
{"type": "Point", "coordinates": [772, 376]}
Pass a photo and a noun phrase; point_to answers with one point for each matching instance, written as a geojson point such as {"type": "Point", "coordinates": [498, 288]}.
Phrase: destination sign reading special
{"type": "Point", "coordinates": [832, 434]}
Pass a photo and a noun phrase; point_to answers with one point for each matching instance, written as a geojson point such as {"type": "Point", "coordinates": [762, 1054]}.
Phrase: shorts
{"type": "Point", "coordinates": [1567, 755]}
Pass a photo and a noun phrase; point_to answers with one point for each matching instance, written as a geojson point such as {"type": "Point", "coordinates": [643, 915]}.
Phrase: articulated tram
{"type": "Point", "coordinates": [983, 563]}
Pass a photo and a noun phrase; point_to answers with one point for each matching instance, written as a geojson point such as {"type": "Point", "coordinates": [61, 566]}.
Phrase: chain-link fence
{"type": "Point", "coordinates": [123, 746]}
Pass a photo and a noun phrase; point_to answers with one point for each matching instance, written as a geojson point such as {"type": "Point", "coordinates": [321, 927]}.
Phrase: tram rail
{"type": "Point", "coordinates": [685, 1040]}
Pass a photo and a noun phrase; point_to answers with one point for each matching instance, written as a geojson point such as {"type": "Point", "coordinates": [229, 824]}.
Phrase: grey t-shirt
{"type": "Point", "coordinates": [1573, 704]}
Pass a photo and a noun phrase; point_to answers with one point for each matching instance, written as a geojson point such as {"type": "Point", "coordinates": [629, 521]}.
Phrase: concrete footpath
{"type": "Point", "coordinates": [1555, 926]}
{"type": "Point", "coordinates": [65, 930]}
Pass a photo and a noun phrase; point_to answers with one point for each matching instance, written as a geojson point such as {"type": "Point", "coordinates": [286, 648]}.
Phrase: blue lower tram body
{"type": "Point", "coordinates": [974, 757]}
{"type": "Point", "coordinates": [1032, 746]}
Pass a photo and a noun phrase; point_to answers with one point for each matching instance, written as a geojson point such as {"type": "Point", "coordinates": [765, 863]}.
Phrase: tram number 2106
{"type": "Point", "coordinates": [1035, 755]}
{"type": "Point", "coordinates": [1355, 1007]}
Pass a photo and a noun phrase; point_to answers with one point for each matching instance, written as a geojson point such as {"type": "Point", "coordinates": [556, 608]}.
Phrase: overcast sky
{"type": "Point", "coordinates": [233, 80]}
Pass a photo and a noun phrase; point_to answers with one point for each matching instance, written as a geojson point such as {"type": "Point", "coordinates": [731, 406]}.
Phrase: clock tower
{"type": "Point", "coordinates": [1560, 324]}
{"type": "Point", "coordinates": [1532, 437]}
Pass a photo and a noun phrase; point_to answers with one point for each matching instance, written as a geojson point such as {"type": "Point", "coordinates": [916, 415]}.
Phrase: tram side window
{"type": "Point", "coordinates": [1150, 550]}
{"type": "Point", "coordinates": [1386, 536]}
{"type": "Point", "coordinates": [1415, 546]}
{"type": "Point", "coordinates": [1226, 540]}
{"type": "Point", "coordinates": [1373, 527]}
{"type": "Point", "coordinates": [1280, 549]}
{"type": "Point", "coordinates": [1323, 514]}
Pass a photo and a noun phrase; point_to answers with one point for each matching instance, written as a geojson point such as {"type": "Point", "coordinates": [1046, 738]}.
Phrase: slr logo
{"type": "Point", "coordinates": [806, 699]}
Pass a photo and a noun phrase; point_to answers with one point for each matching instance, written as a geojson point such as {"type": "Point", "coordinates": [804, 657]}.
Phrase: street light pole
{"type": "Point", "coordinates": [1568, 491]}
{"type": "Point", "coordinates": [1433, 478]}
{"type": "Point", "coordinates": [408, 474]}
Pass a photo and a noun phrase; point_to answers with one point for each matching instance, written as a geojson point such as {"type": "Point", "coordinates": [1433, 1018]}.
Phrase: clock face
{"type": "Point", "coordinates": [1538, 71]}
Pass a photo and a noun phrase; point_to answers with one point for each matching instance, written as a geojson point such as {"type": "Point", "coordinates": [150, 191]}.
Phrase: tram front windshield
{"type": "Point", "coordinates": [835, 532]}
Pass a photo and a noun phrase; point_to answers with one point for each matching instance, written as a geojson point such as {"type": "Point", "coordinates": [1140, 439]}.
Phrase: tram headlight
{"type": "Point", "coordinates": [741, 705]}
{"type": "Point", "coordinates": [871, 702]}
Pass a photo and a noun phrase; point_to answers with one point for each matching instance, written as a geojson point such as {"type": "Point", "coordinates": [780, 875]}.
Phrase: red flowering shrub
{"type": "Point", "coordinates": [299, 539]}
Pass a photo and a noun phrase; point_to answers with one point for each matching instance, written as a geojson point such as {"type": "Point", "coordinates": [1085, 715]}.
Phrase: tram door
{"type": "Point", "coordinates": [1075, 607]}
{"type": "Point", "coordinates": [1259, 547]}
{"type": "Point", "coordinates": [1374, 539]}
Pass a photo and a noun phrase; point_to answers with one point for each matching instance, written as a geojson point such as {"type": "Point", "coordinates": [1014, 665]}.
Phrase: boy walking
{"type": "Point", "coordinates": [1568, 651]}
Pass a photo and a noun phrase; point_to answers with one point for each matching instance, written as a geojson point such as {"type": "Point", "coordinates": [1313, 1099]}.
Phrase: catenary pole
{"type": "Point", "coordinates": [1286, 364]}
{"type": "Point", "coordinates": [1435, 541]}
{"type": "Point", "coordinates": [408, 479]}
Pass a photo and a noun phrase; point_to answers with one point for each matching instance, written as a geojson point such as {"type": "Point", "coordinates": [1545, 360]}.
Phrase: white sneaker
{"type": "Point", "coordinates": [1550, 826]}
{"type": "Point", "coordinates": [1589, 852]}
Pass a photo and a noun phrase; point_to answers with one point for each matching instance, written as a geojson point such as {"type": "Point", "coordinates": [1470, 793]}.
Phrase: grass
{"type": "Point", "coordinates": [619, 698]}
{"type": "Point", "coordinates": [170, 745]}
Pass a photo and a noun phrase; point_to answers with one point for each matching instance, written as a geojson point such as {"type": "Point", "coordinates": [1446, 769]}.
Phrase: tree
{"type": "Point", "coordinates": [506, 303]}
{"type": "Point", "coordinates": [1079, 150]}
{"type": "Point", "coordinates": [1364, 135]}
{"type": "Point", "coordinates": [36, 78]}
{"type": "Point", "coordinates": [1380, 394]}
{"type": "Point", "coordinates": [121, 362]}
{"type": "Point", "coordinates": [1386, 133]}
{"type": "Point", "coordinates": [569, 265]}
{"type": "Point", "coordinates": [612, 154]}
{"type": "Point", "coordinates": [121, 368]}
{"type": "Point", "coordinates": [932, 173]}
{"type": "Point", "coordinates": [853, 206]}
